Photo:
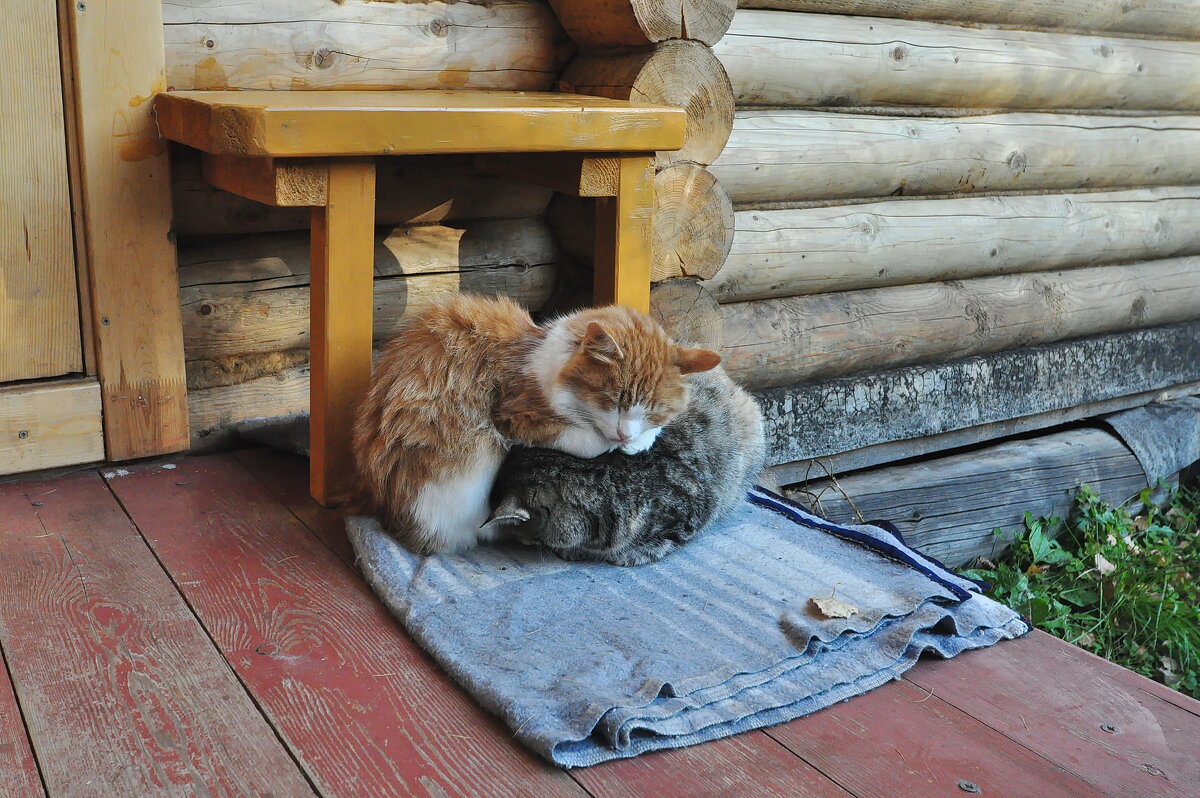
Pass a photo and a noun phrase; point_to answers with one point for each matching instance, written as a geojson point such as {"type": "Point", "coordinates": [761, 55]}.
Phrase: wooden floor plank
{"type": "Point", "coordinates": [122, 691]}
{"type": "Point", "coordinates": [1060, 707]}
{"type": "Point", "coordinates": [899, 741]}
{"type": "Point", "coordinates": [1085, 659]}
{"type": "Point", "coordinates": [746, 764]}
{"type": "Point", "coordinates": [363, 710]}
{"type": "Point", "coordinates": [724, 767]}
{"type": "Point", "coordinates": [285, 476]}
{"type": "Point", "coordinates": [18, 772]}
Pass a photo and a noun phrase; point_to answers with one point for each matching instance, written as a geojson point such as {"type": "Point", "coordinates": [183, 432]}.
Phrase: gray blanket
{"type": "Point", "coordinates": [591, 662]}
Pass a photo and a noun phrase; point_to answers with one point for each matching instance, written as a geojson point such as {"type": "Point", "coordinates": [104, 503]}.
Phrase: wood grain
{"type": "Point", "coordinates": [892, 451]}
{"type": "Point", "coordinates": [623, 259]}
{"type": "Point", "coordinates": [1156, 18]}
{"type": "Point", "coordinates": [635, 23]}
{"type": "Point", "coordinates": [359, 706]}
{"type": "Point", "coordinates": [798, 156]}
{"type": "Point", "coordinates": [783, 341]}
{"type": "Point", "coordinates": [1054, 703]}
{"type": "Point", "coordinates": [721, 767]}
{"type": "Point", "coordinates": [122, 691]}
{"type": "Point", "coordinates": [778, 253]}
{"type": "Point", "coordinates": [49, 424]}
{"type": "Point", "coordinates": [252, 293]}
{"type": "Point", "coordinates": [899, 740]}
{"type": "Point", "coordinates": [358, 44]}
{"type": "Point", "coordinates": [125, 195]}
{"type": "Point", "coordinates": [428, 189]}
{"type": "Point", "coordinates": [949, 507]}
{"type": "Point", "coordinates": [367, 123]}
{"type": "Point", "coordinates": [684, 74]}
{"type": "Point", "coordinates": [822, 419]}
{"type": "Point", "coordinates": [745, 764]}
{"type": "Point", "coordinates": [19, 776]}
{"type": "Point", "coordinates": [39, 304]}
{"type": "Point", "coordinates": [343, 271]}
{"type": "Point", "coordinates": [782, 58]}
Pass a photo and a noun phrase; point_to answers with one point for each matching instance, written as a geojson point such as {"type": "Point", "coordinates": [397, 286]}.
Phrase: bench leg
{"type": "Point", "coordinates": [343, 269]}
{"type": "Point", "coordinates": [623, 229]}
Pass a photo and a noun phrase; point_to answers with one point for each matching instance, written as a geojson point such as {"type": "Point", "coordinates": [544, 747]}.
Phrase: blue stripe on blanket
{"type": "Point", "coordinates": [589, 662]}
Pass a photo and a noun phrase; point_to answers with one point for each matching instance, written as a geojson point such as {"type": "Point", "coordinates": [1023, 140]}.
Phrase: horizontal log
{"type": "Point", "coordinates": [636, 23]}
{"type": "Point", "coordinates": [821, 420]}
{"type": "Point", "coordinates": [358, 44]}
{"type": "Point", "coordinates": [783, 58]}
{"type": "Point", "coordinates": [779, 253]}
{"type": "Point", "coordinates": [907, 449]}
{"type": "Point", "coordinates": [1159, 18]}
{"type": "Point", "coordinates": [251, 294]}
{"type": "Point", "coordinates": [798, 156]}
{"type": "Point", "coordinates": [692, 231]}
{"type": "Point", "coordinates": [680, 73]}
{"type": "Point", "coordinates": [215, 413]}
{"type": "Point", "coordinates": [783, 341]}
{"type": "Point", "coordinates": [411, 190]}
{"type": "Point", "coordinates": [948, 508]}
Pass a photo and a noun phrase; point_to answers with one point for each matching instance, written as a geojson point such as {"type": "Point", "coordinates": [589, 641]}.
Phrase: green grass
{"type": "Point", "coordinates": [1126, 588]}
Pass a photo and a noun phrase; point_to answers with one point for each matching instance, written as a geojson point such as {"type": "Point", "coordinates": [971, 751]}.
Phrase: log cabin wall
{"type": "Point", "coordinates": [939, 198]}
{"type": "Point", "coordinates": [443, 225]}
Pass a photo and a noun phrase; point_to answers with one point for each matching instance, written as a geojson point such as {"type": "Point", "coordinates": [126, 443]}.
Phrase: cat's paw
{"type": "Point", "coordinates": [642, 442]}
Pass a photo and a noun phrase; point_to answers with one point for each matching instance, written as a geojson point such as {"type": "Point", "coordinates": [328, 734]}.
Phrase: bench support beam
{"type": "Point", "coordinates": [343, 271]}
{"type": "Point", "coordinates": [623, 237]}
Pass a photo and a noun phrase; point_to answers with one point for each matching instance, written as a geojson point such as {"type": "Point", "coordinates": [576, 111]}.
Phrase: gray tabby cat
{"type": "Point", "coordinates": [634, 509]}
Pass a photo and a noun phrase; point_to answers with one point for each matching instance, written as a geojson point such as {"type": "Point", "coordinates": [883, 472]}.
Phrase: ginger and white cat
{"type": "Point", "coordinates": [473, 375]}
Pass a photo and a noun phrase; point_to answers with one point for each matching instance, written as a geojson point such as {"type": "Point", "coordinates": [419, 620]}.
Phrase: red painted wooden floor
{"type": "Point", "coordinates": [197, 628]}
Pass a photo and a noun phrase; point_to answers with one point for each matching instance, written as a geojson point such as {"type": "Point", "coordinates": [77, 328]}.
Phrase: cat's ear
{"type": "Point", "coordinates": [509, 512]}
{"type": "Point", "coordinates": [691, 361]}
{"type": "Point", "coordinates": [598, 344]}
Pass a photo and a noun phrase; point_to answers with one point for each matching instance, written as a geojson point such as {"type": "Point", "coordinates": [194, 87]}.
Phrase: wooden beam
{"type": "Point", "coordinates": [250, 294]}
{"type": "Point", "coordinates": [365, 123]}
{"type": "Point", "coordinates": [343, 239]}
{"type": "Point", "coordinates": [427, 189]}
{"type": "Point", "coordinates": [782, 58]}
{"type": "Point", "coordinates": [692, 231]}
{"type": "Point", "coordinates": [360, 44]}
{"type": "Point", "coordinates": [948, 507]}
{"type": "Point", "coordinates": [118, 67]}
{"type": "Point", "coordinates": [636, 23]}
{"type": "Point", "coordinates": [39, 303]}
{"type": "Point", "coordinates": [281, 182]}
{"type": "Point", "coordinates": [1160, 19]}
{"type": "Point", "coordinates": [820, 419]}
{"type": "Point", "coordinates": [623, 230]}
{"type": "Point", "coordinates": [800, 156]}
{"type": "Point", "coordinates": [893, 451]}
{"type": "Point", "coordinates": [780, 253]}
{"type": "Point", "coordinates": [565, 172]}
{"type": "Point", "coordinates": [49, 424]}
{"type": "Point", "coordinates": [784, 341]}
{"type": "Point", "coordinates": [684, 74]}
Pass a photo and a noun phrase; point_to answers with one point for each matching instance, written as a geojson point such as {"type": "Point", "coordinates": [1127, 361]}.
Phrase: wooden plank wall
{"type": "Point", "coordinates": [915, 182]}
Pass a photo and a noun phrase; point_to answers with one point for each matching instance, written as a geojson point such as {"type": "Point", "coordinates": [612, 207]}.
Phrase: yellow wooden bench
{"type": "Point", "coordinates": [317, 149]}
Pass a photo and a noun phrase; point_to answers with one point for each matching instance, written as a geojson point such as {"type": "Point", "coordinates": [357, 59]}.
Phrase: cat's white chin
{"type": "Point", "coordinates": [583, 442]}
{"type": "Point", "coordinates": [642, 442]}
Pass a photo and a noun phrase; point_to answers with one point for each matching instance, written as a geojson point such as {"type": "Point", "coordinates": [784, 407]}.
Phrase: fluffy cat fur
{"type": "Point", "coordinates": [472, 375]}
{"type": "Point", "coordinates": [634, 509]}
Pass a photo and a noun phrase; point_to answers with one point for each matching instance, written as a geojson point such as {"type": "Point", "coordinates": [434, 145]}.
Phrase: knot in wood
{"type": "Point", "coordinates": [1104, 51]}
{"type": "Point", "coordinates": [899, 53]}
{"type": "Point", "coordinates": [440, 28]}
{"type": "Point", "coordinates": [323, 58]}
{"type": "Point", "coordinates": [1017, 161]}
{"type": "Point", "coordinates": [210, 43]}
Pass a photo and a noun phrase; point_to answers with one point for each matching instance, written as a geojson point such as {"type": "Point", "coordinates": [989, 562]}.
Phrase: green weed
{"type": "Point", "coordinates": [1124, 587]}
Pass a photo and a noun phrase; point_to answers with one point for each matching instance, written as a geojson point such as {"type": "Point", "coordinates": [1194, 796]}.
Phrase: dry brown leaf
{"type": "Point", "coordinates": [833, 608]}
